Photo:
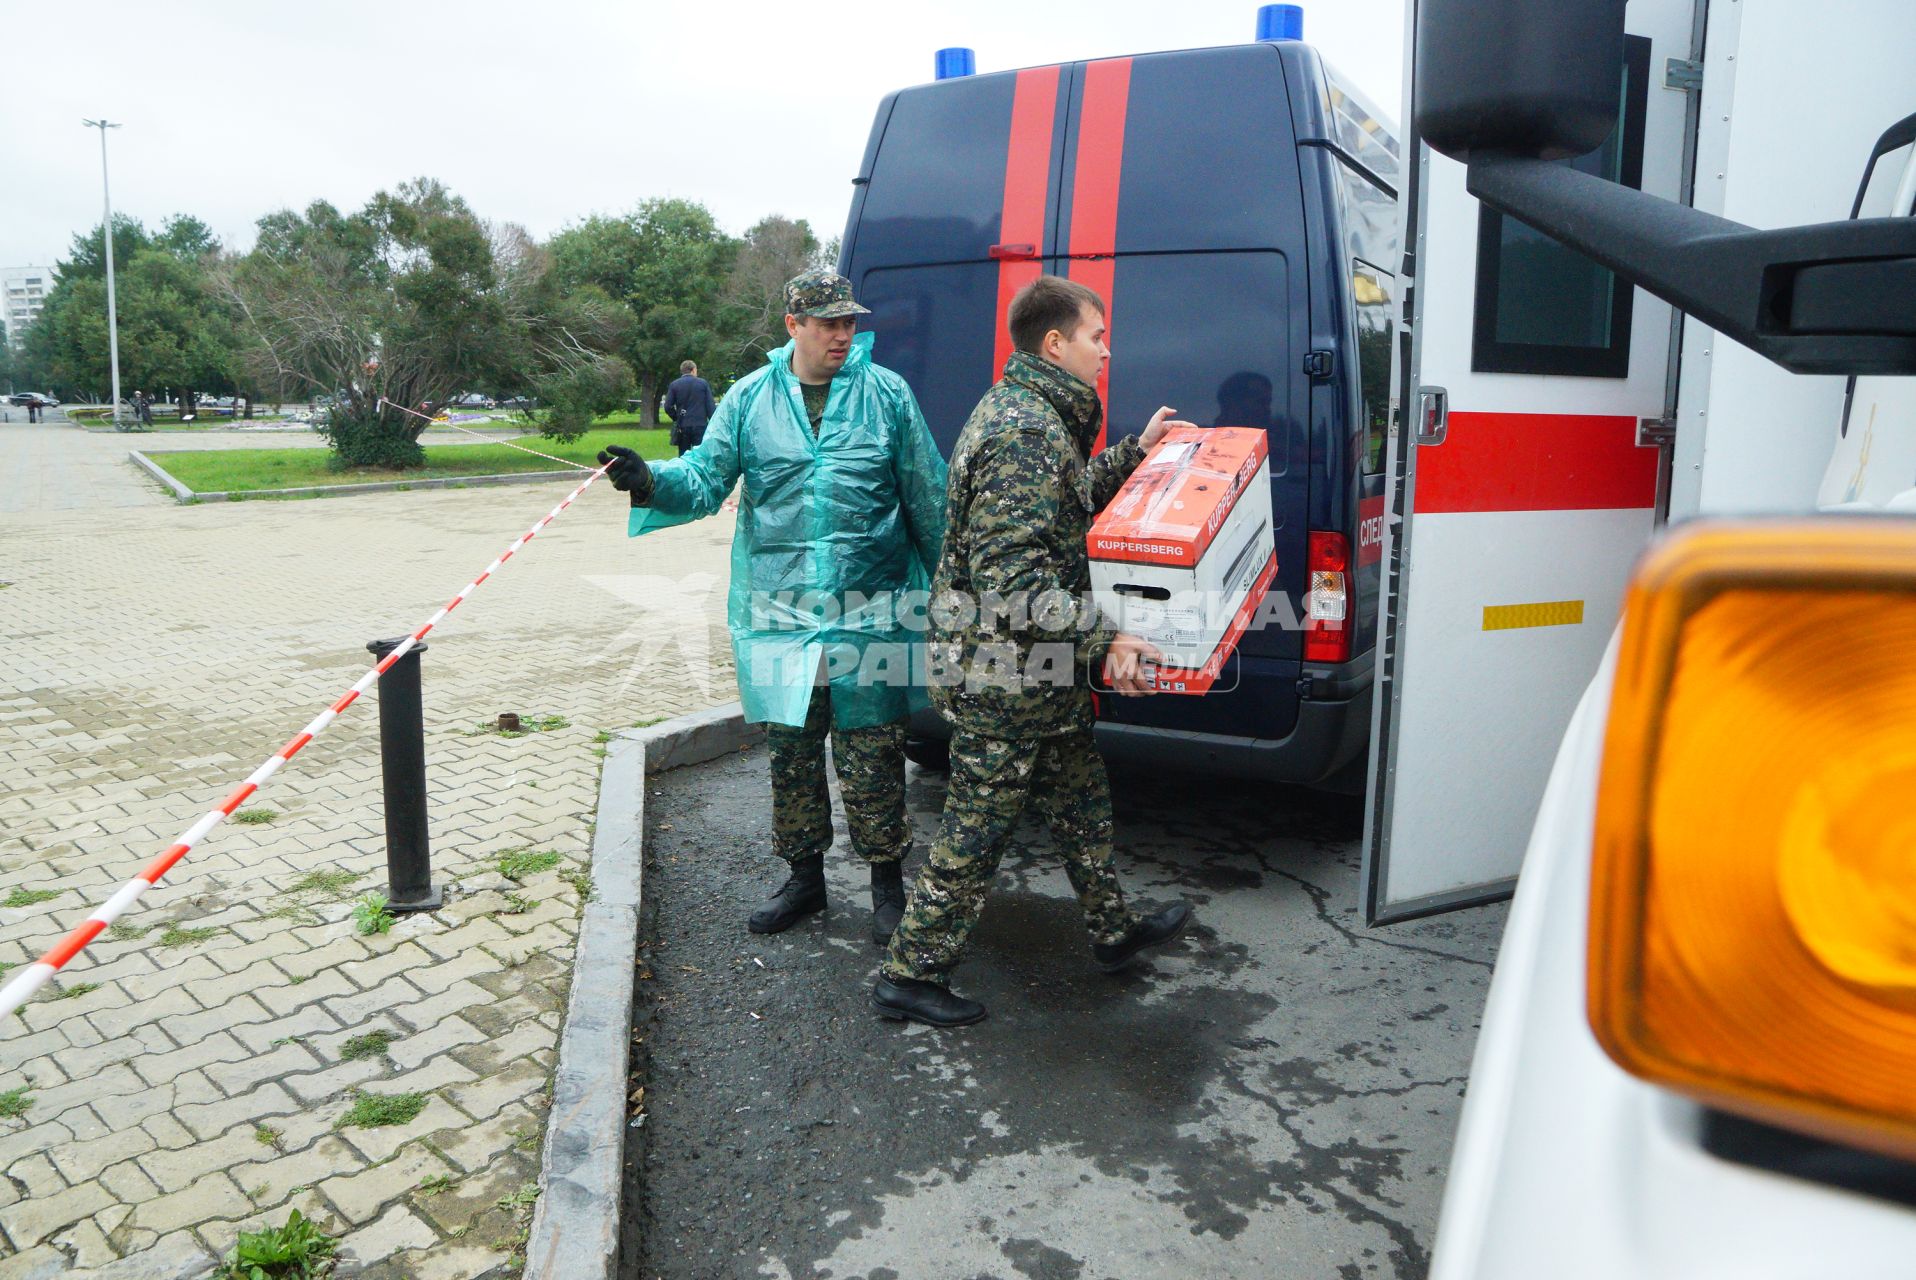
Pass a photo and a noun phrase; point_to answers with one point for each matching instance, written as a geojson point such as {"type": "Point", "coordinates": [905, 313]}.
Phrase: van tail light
{"type": "Point", "coordinates": [1753, 892]}
{"type": "Point", "coordinates": [1327, 630]}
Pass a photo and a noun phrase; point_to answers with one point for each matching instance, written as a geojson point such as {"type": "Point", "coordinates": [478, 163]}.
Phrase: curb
{"type": "Point", "coordinates": [258, 428]}
{"type": "Point", "coordinates": [154, 469]}
{"type": "Point", "coordinates": [184, 494]}
{"type": "Point", "coordinates": [575, 1229]}
{"type": "Point", "coordinates": [262, 428]}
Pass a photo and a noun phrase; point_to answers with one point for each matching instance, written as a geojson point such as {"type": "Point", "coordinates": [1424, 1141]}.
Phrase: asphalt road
{"type": "Point", "coordinates": [1275, 1096]}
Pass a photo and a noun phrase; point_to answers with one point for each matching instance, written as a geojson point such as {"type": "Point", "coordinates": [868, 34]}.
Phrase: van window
{"type": "Point", "coordinates": [1545, 309]}
{"type": "Point", "coordinates": [1209, 335]}
{"type": "Point", "coordinates": [1360, 130]}
{"type": "Point", "coordinates": [1209, 159]}
{"type": "Point", "coordinates": [1371, 290]}
{"type": "Point", "coordinates": [1370, 217]}
{"type": "Point", "coordinates": [935, 327]}
{"type": "Point", "coordinates": [937, 185]}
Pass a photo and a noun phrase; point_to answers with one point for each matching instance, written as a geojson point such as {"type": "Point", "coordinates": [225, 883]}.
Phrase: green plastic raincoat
{"type": "Point", "coordinates": [831, 531]}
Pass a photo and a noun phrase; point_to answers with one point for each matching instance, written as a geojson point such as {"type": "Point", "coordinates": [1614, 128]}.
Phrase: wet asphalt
{"type": "Point", "coordinates": [1272, 1096]}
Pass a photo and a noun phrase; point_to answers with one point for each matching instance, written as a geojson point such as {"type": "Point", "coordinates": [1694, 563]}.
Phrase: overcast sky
{"type": "Point", "coordinates": [536, 111]}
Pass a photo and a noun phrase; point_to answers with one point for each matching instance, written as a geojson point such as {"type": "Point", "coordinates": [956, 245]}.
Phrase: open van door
{"type": "Point", "coordinates": [1524, 480]}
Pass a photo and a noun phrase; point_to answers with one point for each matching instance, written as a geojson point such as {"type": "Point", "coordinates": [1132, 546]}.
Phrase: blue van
{"type": "Point", "coordinates": [1237, 208]}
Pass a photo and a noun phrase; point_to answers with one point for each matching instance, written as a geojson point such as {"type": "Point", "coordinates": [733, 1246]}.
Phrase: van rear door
{"type": "Point", "coordinates": [1521, 493]}
{"type": "Point", "coordinates": [1180, 203]}
{"type": "Point", "coordinates": [957, 212]}
{"type": "Point", "coordinates": [1169, 183]}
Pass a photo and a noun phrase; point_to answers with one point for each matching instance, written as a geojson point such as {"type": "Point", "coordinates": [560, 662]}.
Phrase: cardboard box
{"type": "Point", "coordinates": [1183, 555]}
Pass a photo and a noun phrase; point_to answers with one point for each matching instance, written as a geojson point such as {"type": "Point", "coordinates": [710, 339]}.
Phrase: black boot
{"type": "Point", "coordinates": [888, 899]}
{"type": "Point", "coordinates": [910, 1000]}
{"type": "Point", "coordinates": [802, 894]}
{"type": "Point", "coordinates": [1152, 931]}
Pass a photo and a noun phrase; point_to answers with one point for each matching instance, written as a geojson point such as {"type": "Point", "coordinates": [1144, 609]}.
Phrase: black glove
{"type": "Point", "coordinates": [626, 469]}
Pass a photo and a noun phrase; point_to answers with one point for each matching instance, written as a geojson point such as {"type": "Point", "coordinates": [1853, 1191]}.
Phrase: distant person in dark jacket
{"type": "Point", "coordinates": [689, 401]}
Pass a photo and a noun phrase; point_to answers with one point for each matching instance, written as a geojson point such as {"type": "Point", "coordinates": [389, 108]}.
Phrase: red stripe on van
{"type": "Point", "coordinates": [1536, 462]}
{"type": "Point", "coordinates": [1094, 197]}
{"type": "Point", "coordinates": [1034, 105]}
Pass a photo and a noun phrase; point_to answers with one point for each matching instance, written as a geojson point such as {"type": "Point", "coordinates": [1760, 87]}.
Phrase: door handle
{"type": "Point", "coordinates": [1433, 415]}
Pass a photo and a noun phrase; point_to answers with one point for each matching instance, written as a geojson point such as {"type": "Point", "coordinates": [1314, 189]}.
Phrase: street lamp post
{"type": "Point", "coordinates": [112, 311]}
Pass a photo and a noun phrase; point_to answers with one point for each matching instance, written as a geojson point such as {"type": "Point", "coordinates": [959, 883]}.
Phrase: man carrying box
{"type": "Point", "coordinates": [1008, 646]}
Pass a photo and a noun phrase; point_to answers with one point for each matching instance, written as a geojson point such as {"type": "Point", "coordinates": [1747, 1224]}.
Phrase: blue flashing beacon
{"type": "Point", "coordinates": [952, 64]}
{"type": "Point", "coordinates": [1280, 22]}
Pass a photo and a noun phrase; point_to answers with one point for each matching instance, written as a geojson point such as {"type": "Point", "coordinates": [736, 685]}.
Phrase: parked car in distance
{"type": "Point", "coordinates": [473, 400]}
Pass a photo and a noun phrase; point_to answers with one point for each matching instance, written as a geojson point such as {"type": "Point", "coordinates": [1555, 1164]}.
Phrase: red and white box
{"type": "Point", "coordinates": [1183, 555]}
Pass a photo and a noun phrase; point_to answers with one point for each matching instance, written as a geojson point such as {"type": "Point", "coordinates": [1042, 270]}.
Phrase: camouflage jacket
{"type": "Point", "coordinates": [1012, 634]}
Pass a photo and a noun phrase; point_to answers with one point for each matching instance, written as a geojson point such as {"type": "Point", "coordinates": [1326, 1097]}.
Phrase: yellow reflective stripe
{"type": "Point", "coordinates": [1550, 613]}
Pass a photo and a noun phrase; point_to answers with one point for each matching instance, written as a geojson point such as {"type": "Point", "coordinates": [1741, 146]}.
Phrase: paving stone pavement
{"type": "Point", "coordinates": [187, 1077]}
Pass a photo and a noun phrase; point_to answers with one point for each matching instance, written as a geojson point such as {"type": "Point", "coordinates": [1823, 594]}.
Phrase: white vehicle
{"type": "Point", "coordinates": [1698, 1057]}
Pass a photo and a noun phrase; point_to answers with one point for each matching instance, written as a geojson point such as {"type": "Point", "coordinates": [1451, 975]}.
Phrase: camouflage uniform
{"type": "Point", "coordinates": [1020, 499]}
{"type": "Point", "coordinates": [871, 775]}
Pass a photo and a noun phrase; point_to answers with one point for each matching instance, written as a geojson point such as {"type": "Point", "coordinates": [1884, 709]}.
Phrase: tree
{"type": "Point", "coordinates": [667, 261]}
{"type": "Point", "coordinates": [173, 332]}
{"type": "Point", "coordinates": [87, 256]}
{"type": "Point", "coordinates": [574, 397]}
{"type": "Point", "coordinates": [409, 301]}
{"type": "Point", "coordinates": [185, 237]}
{"type": "Point", "coordinates": [773, 251]}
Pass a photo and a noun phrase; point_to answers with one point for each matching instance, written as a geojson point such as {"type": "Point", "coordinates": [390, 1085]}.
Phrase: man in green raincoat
{"type": "Point", "coordinates": [842, 511]}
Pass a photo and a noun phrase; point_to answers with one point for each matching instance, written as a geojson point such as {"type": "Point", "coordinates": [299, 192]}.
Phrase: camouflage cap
{"type": "Point", "coordinates": [823, 294]}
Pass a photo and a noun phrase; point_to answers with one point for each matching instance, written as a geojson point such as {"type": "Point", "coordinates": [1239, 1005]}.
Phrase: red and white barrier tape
{"type": "Point", "coordinates": [36, 975]}
{"type": "Point", "coordinates": [578, 466]}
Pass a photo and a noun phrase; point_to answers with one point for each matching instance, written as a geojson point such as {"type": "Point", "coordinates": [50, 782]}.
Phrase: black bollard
{"type": "Point", "coordinates": [402, 753]}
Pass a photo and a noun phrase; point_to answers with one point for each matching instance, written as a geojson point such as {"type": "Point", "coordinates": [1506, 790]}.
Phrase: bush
{"type": "Point", "coordinates": [371, 442]}
{"type": "Point", "coordinates": [576, 397]}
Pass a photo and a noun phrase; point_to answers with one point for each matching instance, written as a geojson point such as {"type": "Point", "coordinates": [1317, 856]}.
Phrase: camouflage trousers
{"type": "Point", "coordinates": [993, 780]}
{"type": "Point", "coordinates": [871, 778]}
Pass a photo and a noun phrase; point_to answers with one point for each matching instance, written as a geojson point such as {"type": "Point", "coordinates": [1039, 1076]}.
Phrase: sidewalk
{"type": "Point", "coordinates": [191, 1074]}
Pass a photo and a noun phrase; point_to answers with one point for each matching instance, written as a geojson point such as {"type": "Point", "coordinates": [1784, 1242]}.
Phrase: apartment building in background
{"type": "Point", "coordinates": [26, 290]}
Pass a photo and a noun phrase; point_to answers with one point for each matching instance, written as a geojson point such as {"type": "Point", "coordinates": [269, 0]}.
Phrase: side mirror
{"type": "Point", "coordinates": [1876, 193]}
{"type": "Point", "coordinates": [1534, 78]}
{"type": "Point", "coordinates": [1506, 86]}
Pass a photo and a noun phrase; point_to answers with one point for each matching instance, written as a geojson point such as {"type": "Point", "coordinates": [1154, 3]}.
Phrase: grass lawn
{"type": "Point", "coordinates": [218, 419]}
{"type": "Point", "coordinates": [631, 419]}
{"type": "Point", "coordinates": [167, 420]}
{"type": "Point", "coordinates": [242, 470]}
{"type": "Point", "coordinates": [515, 417]}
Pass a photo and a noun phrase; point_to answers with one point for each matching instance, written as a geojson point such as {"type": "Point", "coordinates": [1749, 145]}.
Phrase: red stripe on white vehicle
{"type": "Point", "coordinates": [1094, 194]}
{"type": "Point", "coordinates": [1536, 462]}
{"type": "Point", "coordinates": [1034, 108]}
{"type": "Point", "coordinates": [37, 974]}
